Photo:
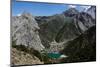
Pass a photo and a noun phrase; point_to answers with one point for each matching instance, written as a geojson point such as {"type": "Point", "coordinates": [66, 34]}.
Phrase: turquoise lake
{"type": "Point", "coordinates": [54, 55]}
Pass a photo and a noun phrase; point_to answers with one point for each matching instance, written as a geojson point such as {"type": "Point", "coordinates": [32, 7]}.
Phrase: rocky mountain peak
{"type": "Point", "coordinates": [25, 31]}
{"type": "Point", "coordinates": [92, 11]}
{"type": "Point", "coordinates": [71, 12]}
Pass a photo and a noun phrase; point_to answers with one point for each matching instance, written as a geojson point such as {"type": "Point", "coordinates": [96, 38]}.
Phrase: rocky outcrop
{"type": "Point", "coordinates": [23, 58]}
{"type": "Point", "coordinates": [25, 31]}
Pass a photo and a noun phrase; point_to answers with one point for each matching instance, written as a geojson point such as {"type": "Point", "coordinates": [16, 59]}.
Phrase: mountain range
{"type": "Point", "coordinates": [66, 26]}
{"type": "Point", "coordinates": [72, 32]}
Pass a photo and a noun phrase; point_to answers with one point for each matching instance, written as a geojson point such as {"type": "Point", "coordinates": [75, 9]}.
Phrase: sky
{"type": "Point", "coordinates": [42, 9]}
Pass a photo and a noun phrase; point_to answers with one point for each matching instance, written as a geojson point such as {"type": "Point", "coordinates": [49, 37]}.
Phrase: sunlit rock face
{"type": "Point", "coordinates": [92, 11]}
{"type": "Point", "coordinates": [25, 31]}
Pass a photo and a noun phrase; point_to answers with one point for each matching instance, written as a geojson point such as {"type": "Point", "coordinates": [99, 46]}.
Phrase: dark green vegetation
{"type": "Point", "coordinates": [83, 48]}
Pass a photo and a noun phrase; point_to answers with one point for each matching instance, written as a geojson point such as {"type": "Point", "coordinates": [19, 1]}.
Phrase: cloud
{"type": "Point", "coordinates": [72, 6]}
{"type": "Point", "coordinates": [18, 14]}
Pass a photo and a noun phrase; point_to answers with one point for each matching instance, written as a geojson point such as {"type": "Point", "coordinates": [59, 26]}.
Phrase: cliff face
{"type": "Point", "coordinates": [25, 31]}
{"type": "Point", "coordinates": [92, 11]}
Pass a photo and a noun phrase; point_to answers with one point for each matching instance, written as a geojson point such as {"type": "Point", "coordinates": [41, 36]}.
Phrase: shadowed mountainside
{"type": "Point", "coordinates": [83, 48]}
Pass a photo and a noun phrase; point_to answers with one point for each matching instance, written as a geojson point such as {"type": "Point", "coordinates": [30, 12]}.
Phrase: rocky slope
{"type": "Point", "coordinates": [23, 58]}
{"type": "Point", "coordinates": [25, 31]}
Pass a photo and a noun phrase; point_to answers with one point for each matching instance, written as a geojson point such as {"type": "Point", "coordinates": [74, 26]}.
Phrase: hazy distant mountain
{"type": "Point", "coordinates": [71, 12]}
